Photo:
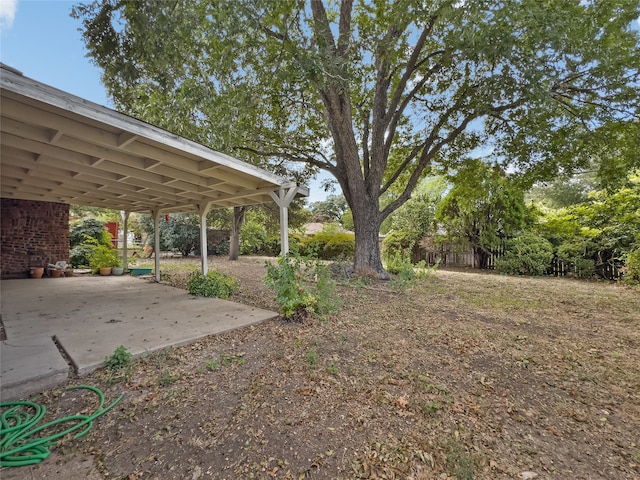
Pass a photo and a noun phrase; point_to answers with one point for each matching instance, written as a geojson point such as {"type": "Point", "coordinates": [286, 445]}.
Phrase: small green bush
{"type": "Point", "coordinates": [119, 359]}
{"type": "Point", "coordinates": [252, 238]}
{"type": "Point", "coordinates": [408, 273]}
{"type": "Point", "coordinates": [527, 254]}
{"type": "Point", "coordinates": [213, 284]}
{"type": "Point", "coordinates": [631, 271]}
{"type": "Point", "coordinates": [398, 262]}
{"type": "Point", "coordinates": [181, 232]}
{"type": "Point", "coordinates": [83, 237]}
{"type": "Point", "coordinates": [339, 246]}
{"type": "Point", "coordinates": [79, 255]}
{"type": "Point", "coordinates": [329, 245]}
{"type": "Point", "coordinates": [91, 227]}
{"type": "Point", "coordinates": [303, 286]}
{"type": "Point", "coordinates": [397, 246]}
{"type": "Point", "coordinates": [577, 253]}
{"type": "Point", "coordinates": [101, 255]}
{"type": "Point", "coordinates": [271, 245]}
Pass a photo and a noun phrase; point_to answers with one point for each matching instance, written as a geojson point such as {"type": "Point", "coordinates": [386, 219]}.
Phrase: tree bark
{"type": "Point", "coordinates": [367, 260]}
{"type": "Point", "coordinates": [236, 225]}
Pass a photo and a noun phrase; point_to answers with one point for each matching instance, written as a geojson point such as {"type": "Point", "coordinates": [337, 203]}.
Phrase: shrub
{"type": "Point", "coordinates": [398, 262]}
{"type": "Point", "coordinates": [83, 237]}
{"type": "Point", "coordinates": [408, 273]}
{"type": "Point", "coordinates": [631, 271]}
{"type": "Point", "coordinates": [182, 232]}
{"type": "Point", "coordinates": [397, 246]}
{"type": "Point", "coordinates": [527, 254]}
{"type": "Point", "coordinates": [577, 253]}
{"type": "Point", "coordinates": [303, 286]}
{"type": "Point", "coordinates": [338, 246]}
{"type": "Point", "coordinates": [213, 284]}
{"type": "Point", "coordinates": [89, 227]}
{"type": "Point", "coordinates": [271, 245]}
{"type": "Point", "coordinates": [252, 238]}
{"type": "Point", "coordinates": [220, 248]}
{"type": "Point", "coordinates": [79, 256]}
{"type": "Point", "coordinates": [119, 359]}
{"type": "Point", "coordinates": [101, 255]}
{"type": "Point", "coordinates": [330, 244]}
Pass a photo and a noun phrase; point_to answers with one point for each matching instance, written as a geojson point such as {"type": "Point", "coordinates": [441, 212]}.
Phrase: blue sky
{"type": "Point", "coordinates": [40, 39]}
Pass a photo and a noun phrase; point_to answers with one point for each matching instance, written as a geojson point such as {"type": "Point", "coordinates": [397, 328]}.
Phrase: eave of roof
{"type": "Point", "coordinates": [58, 147]}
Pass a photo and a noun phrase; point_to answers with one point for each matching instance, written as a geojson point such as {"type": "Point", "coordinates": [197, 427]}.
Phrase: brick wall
{"type": "Point", "coordinates": [33, 234]}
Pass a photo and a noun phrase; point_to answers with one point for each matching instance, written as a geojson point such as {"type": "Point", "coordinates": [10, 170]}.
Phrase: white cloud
{"type": "Point", "coordinates": [7, 12]}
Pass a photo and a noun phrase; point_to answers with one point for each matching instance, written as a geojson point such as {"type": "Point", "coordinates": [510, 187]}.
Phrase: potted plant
{"type": "Point", "coordinates": [102, 258]}
{"type": "Point", "coordinates": [117, 270]}
{"type": "Point", "coordinates": [36, 272]}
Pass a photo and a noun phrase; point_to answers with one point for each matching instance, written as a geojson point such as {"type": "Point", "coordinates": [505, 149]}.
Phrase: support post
{"type": "Point", "coordinates": [202, 211]}
{"type": "Point", "coordinates": [156, 243]}
{"type": "Point", "coordinates": [283, 199]}
{"type": "Point", "coordinates": [125, 233]}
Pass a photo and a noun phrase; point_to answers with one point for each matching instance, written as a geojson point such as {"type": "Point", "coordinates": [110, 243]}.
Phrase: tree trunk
{"type": "Point", "coordinates": [367, 261]}
{"type": "Point", "coordinates": [482, 258]}
{"type": "Point", "coordinates": [236, 225]}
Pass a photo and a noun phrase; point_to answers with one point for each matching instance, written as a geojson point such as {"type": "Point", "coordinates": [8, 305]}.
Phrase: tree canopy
{"type": "Point", "coordinates": [333, 207]}
{"type": "Point", "coordinates": [483, 207]}
{"type": "Point", "coordinates": [596, 235]}
{"type": "Point", "coordinates": [377, 93]}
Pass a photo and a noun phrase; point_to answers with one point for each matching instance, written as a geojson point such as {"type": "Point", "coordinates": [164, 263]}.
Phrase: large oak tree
{"type": "Point", "coordinates": [376, 92]}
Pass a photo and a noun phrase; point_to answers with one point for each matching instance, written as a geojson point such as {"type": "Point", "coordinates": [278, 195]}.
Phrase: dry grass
{"type": "Point", "coordinates": [466, 375]}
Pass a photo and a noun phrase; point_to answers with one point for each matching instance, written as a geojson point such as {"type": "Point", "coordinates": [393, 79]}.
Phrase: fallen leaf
{"type": "Point", "coordinates": [528, 475]}
{"type": "Point", "coordinates": [197, 473]}
{"type": "Point", "coordinates": [402, 402]}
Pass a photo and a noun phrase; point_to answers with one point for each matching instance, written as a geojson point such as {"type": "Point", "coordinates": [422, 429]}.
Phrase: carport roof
{"type": "Point", "coordinates": [57, 147]}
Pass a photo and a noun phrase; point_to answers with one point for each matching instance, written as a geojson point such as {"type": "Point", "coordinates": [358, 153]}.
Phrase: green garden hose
{"type": "Point", "coordinates": [19, 444]}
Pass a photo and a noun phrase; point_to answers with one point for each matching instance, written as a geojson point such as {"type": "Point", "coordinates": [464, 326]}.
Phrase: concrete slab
{"type": "Point", "coordinates": [91, 316]}
{"type": "Point", "coordinates": [30, 365]}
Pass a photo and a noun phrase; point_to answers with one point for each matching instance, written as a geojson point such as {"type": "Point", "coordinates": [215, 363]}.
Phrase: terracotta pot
{"type": "Point", "coordinates": [55, 273]}
{"type": "Point", "coordinates": [104, 271]}
{"type": "Point", "coordinates": [36, 272]}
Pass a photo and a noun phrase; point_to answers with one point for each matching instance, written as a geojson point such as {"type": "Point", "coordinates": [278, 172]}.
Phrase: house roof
{"type": "Point", "coordinates": [57, 147]}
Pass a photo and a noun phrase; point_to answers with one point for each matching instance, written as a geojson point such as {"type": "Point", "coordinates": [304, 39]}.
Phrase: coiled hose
{"type": "Point", "coordinates": [19, 444]}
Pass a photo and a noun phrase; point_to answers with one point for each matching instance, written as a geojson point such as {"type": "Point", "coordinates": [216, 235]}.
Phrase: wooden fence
{"type": "Point", "coordinates": [459, 255]}
{"type": "Point", "coordinates": [453, 255]}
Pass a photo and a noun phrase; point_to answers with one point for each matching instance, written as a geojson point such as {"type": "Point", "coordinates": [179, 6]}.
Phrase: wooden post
{"type": "Point", "coordinates": [125, 232]}
{"type": "Point", "coordinates": [202, 211]}
{"type": "Point", "coordinates": [283, 199]}
{"type": "Point", "coordinates": [156, 243]}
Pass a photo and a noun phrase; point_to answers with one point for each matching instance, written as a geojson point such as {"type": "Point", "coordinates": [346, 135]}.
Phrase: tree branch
{"type": "Point", "coordinates": [412, 64]}
{"type": "Point", "coordinates": [344, 27]}
{"type": "Point", "coordinates": [429, 141]}
{"type": "Point", "coordinates": [304, 158]}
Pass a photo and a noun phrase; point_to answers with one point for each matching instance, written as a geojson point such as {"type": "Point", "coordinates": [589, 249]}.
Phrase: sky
{"type": "Point", "coordinates": [40, 39]}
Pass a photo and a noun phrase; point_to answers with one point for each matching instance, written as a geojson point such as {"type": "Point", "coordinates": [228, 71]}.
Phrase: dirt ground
{"type": "Point", "coordinates": [464, 375]}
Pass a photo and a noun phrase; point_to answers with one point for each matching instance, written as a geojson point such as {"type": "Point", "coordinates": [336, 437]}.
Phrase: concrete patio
{"type": "Point", "coordinates": [90, 316]}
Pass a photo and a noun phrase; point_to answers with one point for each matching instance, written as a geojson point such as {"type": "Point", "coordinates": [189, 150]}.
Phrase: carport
{"type": "Point", "coordinates": [56, 147]}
